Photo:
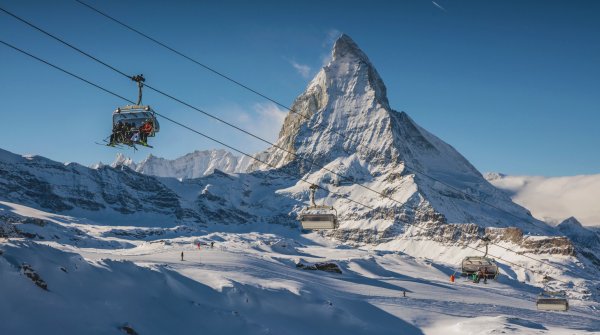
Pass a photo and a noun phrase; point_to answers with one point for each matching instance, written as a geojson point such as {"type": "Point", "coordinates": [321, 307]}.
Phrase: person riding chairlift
{"type": "Point", "coordinates": [477, 276]}
{"type": "Point", "coordinates": [115, 137]}
{"type": "Point", "coordinates": [145, 131]}
{"type": "Point", "coordinates": [128, 131]}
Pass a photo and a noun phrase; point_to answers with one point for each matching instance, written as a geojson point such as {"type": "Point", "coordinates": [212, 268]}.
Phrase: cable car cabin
{"type": "Point", "coordinates": [474, 264]}
{"type": "Point", "coordinates": [552, 301]}
{"type": "Point", "coordinates": [136, 115]}
{"type": "Point", "coordinates": [316, 221]}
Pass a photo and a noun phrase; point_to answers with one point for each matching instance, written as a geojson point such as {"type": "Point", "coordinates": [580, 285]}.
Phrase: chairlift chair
{"type": "Point", "coordinates": [475, 264]}
{"type": "Point", "coordinates": [135, 115]}
{"type": "Point", "coordinates": [552, 301]}
{"type": "Point", "coordinates": [316, 217]}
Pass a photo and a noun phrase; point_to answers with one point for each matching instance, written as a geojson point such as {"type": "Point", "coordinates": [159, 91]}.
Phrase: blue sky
{"type": "Point", "coordinates": [513, 85]}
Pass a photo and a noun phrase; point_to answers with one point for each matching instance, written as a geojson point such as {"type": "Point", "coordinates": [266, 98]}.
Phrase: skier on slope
{"type": "Point", "coordinates": [485, 275]}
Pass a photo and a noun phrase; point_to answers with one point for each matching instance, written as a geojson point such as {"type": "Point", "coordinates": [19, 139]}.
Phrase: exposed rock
{"type": "Point", "coordinates": [8, 230]}
{"type": "Point", "coordinates": [28, 271]}
{"type": "Point", "coordinates": [322, 266]}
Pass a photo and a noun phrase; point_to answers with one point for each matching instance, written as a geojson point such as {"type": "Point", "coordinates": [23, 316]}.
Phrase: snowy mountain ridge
{"type": "Point", "coordinates": [193, 165]}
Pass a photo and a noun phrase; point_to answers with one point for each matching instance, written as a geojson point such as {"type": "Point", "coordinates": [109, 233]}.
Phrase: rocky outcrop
{"type": "Point", "coordinates": [321, 266]}
{"type": "Point", "coordinates": [30, 273]}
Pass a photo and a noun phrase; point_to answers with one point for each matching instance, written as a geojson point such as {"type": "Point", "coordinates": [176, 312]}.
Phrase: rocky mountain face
{"type": "Point", "coordinates": [193, 165]}
{"type": "Point", "coordinates": [122, 196]}
{"type": "Point", "coordinates": [587, 241]}
{"type": "Point", "coordinates": [72, 188]}
{"type": "Point", "coordinates": [344, 123]}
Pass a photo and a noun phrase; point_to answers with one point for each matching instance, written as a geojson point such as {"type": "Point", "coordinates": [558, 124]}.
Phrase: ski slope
{"type": "Point", "coordinates": [107, 277]}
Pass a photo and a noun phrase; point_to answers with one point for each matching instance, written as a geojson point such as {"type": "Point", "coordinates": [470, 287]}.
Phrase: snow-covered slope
{"type": "Point", "coordinates": [94, 279]}
{"type": "Point", "coordinates": [193, 165]}
{"type": "Point", "coordinates": [554, 199]}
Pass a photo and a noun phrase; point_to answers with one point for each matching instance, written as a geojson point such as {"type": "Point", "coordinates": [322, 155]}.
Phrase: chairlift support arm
{"type": "Point", "coordinates": [313, 189]}
{"type": "Point", "coordinates": [486, 239]}
{"type": "Point", "coordinates": [140, 81]}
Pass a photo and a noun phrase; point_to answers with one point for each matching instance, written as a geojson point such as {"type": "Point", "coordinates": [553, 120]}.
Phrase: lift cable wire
{"type": "Point", "coordinates": [229, 78]}
{"type": "Point", "coordinates": [256, 136]}
{"type": "Point", "coordinates": [183, 55]}
{"type": "Point", "coordinates": [179, 123]}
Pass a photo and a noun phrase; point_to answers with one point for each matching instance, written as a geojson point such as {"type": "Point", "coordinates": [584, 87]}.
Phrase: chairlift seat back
{"type": "Point", "coordinates": [552, 301]}
{"type": "Point", "coordinates": [318, 221]}
{"type": "Point", "coordinates": [471, 265]}
{"type": "Point", "coordinates": [137, 115]}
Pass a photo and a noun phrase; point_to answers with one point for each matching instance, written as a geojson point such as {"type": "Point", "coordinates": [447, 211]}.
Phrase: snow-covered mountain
{"type": "Point", "coordinates": [572, 228]}
{"type": "Point", "coordinates": [344, 123]}
{"type": "Point", "coordinates": [408, 236]}
{"type": "Point", "coordinates": [193, 165]}
{"type": "Point", "coordinates": [554, 199]}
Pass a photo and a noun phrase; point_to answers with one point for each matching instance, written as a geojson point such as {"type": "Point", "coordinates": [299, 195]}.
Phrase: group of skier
{"type": "Point", "coordinates": [127, 133]}
{"type": "Point", "coordinates": [481, 273]}
{"type": "Point", "coordinates": [476, 276]}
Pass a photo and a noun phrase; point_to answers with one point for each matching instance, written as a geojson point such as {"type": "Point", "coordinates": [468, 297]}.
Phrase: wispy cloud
{"type": "Point", "coordinates": [265, 120]}
{"type": "Point", "coordinates": [303, 70]}
{"type": "Point", "coordinates": [438, 6]}
{"type": "Point", "coordinates": [330, 37]}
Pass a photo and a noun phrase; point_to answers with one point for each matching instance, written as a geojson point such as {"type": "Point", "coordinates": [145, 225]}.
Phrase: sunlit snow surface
{"type": "Point", "coordinates": [101, 278]}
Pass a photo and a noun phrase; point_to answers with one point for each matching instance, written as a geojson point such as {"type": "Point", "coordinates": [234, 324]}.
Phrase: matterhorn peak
{"type": "Point", "coordinates": [343, 122]}
{"type": "Point", "coordinates": [350, 65]}
{"type": "Point", "coordinates": [345, 46]}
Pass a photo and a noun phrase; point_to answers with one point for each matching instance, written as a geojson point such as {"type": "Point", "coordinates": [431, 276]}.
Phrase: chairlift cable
{"type": "Point", "coordinates": [220, 74]}
{"type": "Point", "coordinates": [63, 42]}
